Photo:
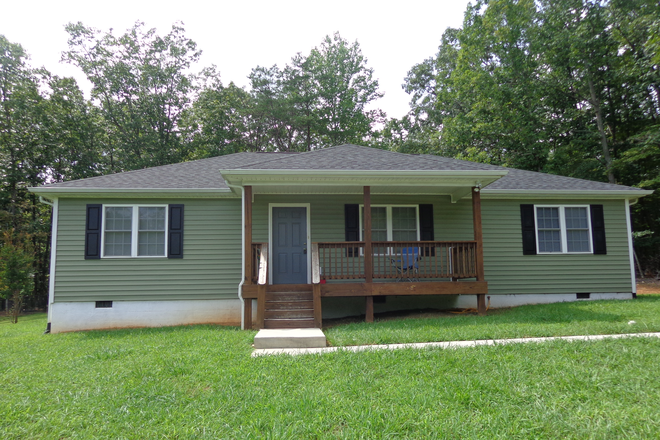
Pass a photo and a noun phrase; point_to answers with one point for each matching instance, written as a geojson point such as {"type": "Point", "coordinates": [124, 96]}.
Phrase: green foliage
{"type": "Point", "coordinates": [141, 86]}
{"type": "Point", "coordinates": [16, 272]}
{"type": "Point", "coordinates": [315, 101]}
{"type": "Point", "coordinates": [30, 126]}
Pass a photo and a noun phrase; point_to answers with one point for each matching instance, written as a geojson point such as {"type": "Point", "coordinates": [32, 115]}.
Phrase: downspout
{"type": "Point", "coordinates": [240, 285]}
{"type": "Point", "coordinates": [53, 253]}
{"type": "Point", "coordinates": [631, 250]}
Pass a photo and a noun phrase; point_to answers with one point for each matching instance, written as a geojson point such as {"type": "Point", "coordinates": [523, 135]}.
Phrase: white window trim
{"type": "Point", "coordinates": [389, 219]}
{"type": "Point", "coordinates": [134, 230]}
{"type": "Point", "coordinates": [562, 229]}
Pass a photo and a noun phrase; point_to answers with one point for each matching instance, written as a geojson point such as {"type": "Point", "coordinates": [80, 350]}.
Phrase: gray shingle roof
{"type": "Point", "coordinates": [204, 173]}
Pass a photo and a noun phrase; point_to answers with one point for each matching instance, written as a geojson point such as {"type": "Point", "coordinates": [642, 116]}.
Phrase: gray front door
{"type": "Point", "coordinates": [289, 245]}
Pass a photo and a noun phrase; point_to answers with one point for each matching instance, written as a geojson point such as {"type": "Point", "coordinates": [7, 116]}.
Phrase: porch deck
{"type": "Point", "coordinates": [349, 268]}
{"type": "Point", "coordinates": [339, 270]}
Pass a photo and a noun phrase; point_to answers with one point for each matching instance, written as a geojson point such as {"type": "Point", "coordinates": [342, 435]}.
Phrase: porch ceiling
{"type": "Point", "coordinates": [456, 184]}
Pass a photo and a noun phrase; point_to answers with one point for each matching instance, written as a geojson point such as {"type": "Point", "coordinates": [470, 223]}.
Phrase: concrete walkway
{"type": "Point", "coordinates": [450, 344]}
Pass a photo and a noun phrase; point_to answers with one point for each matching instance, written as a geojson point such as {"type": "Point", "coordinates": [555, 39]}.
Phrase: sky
{"type": "Point", "coordinates": [237, 36]}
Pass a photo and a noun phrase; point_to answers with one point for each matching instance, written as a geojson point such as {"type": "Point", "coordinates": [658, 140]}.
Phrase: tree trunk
{"type": "Point", "coordinates": [601, 130]}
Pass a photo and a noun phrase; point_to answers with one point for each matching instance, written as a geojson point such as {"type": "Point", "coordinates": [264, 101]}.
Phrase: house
{"type": "Point", "coordinates": [287, 239]}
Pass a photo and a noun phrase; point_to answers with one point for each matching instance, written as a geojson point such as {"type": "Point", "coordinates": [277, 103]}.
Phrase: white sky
{"type": "Point", "coordinates": [239, 35]}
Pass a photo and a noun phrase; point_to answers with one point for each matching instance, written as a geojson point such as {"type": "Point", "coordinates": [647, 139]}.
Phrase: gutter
{"type": "Point", "coordinates": [49, 191]}
{"type": "Point", "coordinates": [571, 194]}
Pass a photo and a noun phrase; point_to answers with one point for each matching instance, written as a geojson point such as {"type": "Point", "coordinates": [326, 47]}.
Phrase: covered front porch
{"type": "Point", "coordinates": [362, 267]}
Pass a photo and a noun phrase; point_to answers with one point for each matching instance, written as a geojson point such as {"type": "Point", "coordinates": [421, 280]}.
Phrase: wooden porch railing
{"type": "Point", "coordinates": [429, 259]}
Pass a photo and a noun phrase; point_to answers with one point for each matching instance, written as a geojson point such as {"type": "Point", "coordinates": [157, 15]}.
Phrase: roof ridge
{"type": "Point", "coordinates": [319, 150]}
{"type": "Point", "coordinates": [281, 155]}
{"type": "Point", "coordinates": [297, 153]}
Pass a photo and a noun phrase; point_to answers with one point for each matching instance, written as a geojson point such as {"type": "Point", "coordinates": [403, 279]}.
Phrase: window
{"type": "Point", "coordinates": [392, 223]}
{"type": "Point", "coordinates": [563, 229]}
{"type": "Point", "coordinates": [134, 231]}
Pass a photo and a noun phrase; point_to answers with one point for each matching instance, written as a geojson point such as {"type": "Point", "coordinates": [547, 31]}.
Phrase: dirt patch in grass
{"type": "Point", "coordinates": [396, 314]}
{"type": "Point", "coordinates": [648, 286]}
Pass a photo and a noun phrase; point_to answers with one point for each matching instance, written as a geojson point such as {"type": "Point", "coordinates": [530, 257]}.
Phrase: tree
{"type": "Point", "coordinates": [20, 134]}
{"type": "Point", "coordinates": [142, 87]}
{"type": "Point", "coordinates": [15, 272]}
{"type": "Point", "coordinates": [345, 88]}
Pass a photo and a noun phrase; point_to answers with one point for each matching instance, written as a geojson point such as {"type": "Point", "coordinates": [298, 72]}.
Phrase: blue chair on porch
{"type": "Point", "coordinates": [407, 264]}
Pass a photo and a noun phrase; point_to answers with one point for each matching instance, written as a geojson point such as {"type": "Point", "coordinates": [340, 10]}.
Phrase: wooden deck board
{"type": "Point", "coordinates": [384, 289]}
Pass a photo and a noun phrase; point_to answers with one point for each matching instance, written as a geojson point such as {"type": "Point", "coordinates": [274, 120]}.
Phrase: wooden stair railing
{"type": "Point", "coordinates": [316, 285]}
{"type": "Point", "coordinates": [282, 305]}
{"type": "Point", "coordinates": [262, 280]}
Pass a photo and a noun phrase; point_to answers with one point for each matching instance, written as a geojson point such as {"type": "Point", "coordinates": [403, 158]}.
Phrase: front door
{"type": "Point", "coordinates": [289, 247]}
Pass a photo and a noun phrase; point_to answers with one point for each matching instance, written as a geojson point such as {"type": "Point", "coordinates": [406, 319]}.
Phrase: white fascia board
{"type": "Point", "coordinates": [201, 193]}
{"type": "Point", "coordinates": [365, 177]}
{"type": "Point", "coordinates": [563, 194]}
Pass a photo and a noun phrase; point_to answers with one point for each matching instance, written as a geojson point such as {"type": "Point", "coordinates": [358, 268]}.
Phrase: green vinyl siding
{"type": "Point", "coordinates": [453, 221]}
{"type": "Point", "coordinates": [508, 271]}
{"type": "Point", "coordinates": [210, 268]}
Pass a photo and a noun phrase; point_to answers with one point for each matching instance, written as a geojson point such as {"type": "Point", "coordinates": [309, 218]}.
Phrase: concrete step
{"type": "Point", "coordinates": [290, 338]}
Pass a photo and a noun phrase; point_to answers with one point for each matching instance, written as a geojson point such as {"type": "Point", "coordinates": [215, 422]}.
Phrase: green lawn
{"type": "Point", "coordinates": [200, 382]}
{"type": "Point", "coordinates": [560, 319]}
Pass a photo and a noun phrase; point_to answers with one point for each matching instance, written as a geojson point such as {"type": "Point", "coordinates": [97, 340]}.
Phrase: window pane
{"type": "Point", "coordinates": [404, 218]}
{"type": "Point", "coordinates": [379, 219]}
{"type": "Point", "coordinates": [152, 219]}
{"type": "Point", "coordinates": [118, 218]}
{"type": "Point", "coordinates": [578, 240]}
{"type": "Point", "coordinates": [576, 218]}
{"type": "Point", "coordinates": [378, 223]}
{"type": "Point", "coordinates": [378, 235]}
{"type": "Point", "coordinates": [151, 231]}
{"type": "Point", "coordinates": [118, 223]}
{"type": "Point", "coordinates": [549, 241]}
{"type": "Point", "coordinates": [151, 243]}
{"type": "Point", "coordinates": [404, 224]}
{"type": "Point", "coordinates": [117, 244]}
{"type": "Point", "coordinates": [547, 218]}
{"type": "Point", "coordinates": [404, 235]}
{"type": "Point", "coordinates": [577, 230]}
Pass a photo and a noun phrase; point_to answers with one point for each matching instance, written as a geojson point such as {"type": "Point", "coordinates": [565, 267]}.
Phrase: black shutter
{"type": "Point", "coordinates": [426, 231]}
{"type": "Point", "coordinates": [528, 229]}
{"type": "Point", "coordinates": [93, 232]}
{"type": "Point", "coordinates": [598, 229]}
{"type": "Point", "coordinates": [352, 225]}
{"type": "Point", "coordinates": [175, 232]}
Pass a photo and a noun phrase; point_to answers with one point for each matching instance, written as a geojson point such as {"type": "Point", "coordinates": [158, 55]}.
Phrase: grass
{"type": "Point", "coordinates": [200, 382]}
{"type": "Point", "coordinates": [560, 319]}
